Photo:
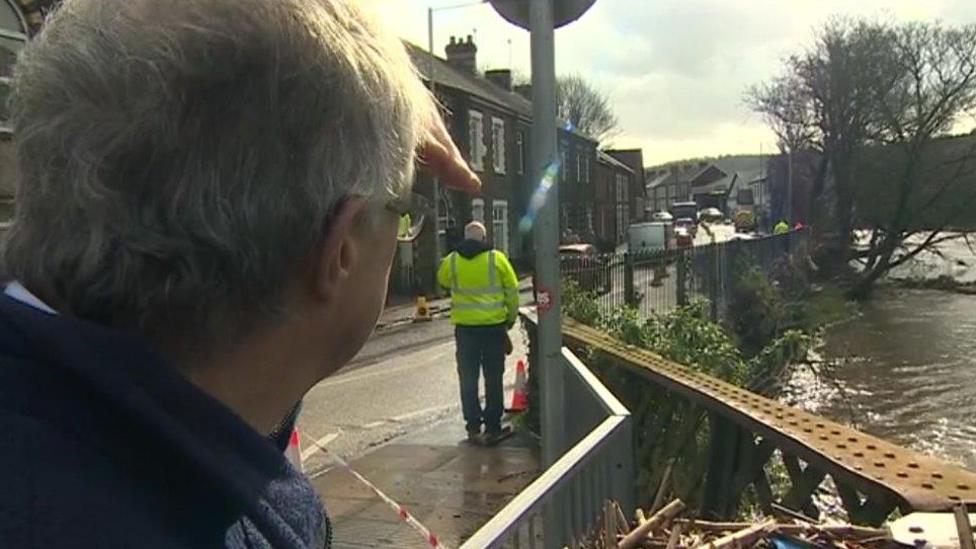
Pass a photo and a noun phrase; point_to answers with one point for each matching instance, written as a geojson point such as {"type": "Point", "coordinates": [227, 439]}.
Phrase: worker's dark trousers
{"type": "Point", "coordinates": [481, 349]}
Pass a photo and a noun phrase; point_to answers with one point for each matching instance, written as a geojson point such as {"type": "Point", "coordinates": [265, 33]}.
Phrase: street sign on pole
{"type": "Point", "coordinates": [541, 18]}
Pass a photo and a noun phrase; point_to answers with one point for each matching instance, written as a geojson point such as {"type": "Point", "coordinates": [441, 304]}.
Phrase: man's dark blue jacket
{"type": "Point", "coordinates": [104, 445]}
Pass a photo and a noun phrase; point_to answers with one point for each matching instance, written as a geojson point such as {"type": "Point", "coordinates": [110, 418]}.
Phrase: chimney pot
{"type": "Point", "coordinates": [462, 55]}
{"type": "Point", "coordinates": [501, 78]}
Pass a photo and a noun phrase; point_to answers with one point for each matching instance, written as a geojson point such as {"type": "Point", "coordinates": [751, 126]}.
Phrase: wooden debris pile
{"type": "Point", "coordinates": [667, 529]}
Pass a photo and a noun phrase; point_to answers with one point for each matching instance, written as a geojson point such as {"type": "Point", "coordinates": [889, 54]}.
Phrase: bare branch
{"type": "Point", "coordinates": [586, 108]}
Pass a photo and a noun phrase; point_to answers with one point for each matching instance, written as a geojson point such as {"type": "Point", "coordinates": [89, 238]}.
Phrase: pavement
{"type": "Point", "coordinates": [448, 485]}
{"type": "Point", "coordinates": [394, 414]}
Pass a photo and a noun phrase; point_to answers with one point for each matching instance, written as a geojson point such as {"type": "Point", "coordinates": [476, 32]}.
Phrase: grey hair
{"type": "Point", "coordinates": [475, 231]}
{"type": "Point", "coordinates": [180, 160]}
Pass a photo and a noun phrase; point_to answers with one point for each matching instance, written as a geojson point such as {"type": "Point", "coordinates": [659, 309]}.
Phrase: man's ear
{"type": "Point", "coordinates": [340, 250]}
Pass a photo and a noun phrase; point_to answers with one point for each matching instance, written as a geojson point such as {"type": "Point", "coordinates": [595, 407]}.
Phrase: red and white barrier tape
{"type": "Point", "coordinates": [400, 510]}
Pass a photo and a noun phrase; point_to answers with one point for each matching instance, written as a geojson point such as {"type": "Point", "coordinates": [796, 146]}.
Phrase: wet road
{"type": "Point", "coordinates": [403, 381]}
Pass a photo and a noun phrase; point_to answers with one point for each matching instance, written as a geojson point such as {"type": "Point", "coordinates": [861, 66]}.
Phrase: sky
{"type": "Point", "coordinates": [675, 71]}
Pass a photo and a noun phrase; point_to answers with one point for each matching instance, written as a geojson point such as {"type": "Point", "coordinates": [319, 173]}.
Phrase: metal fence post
{"type": "Point", "coordinates": [629, 293]}
{"type": "Point", "coordinates": [714, 278]}
{"type": "Point", "coordinates": [682, 277]}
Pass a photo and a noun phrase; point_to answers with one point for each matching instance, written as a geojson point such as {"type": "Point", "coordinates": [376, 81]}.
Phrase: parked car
{"type": "Point", "coordinates": [662, 216]}
{"type": "Point", "coordinates": [688, 224]}
{"type": "Point", "coordinates": [711, 215]}
{"type": "Point", "coordinates": [582, 264]}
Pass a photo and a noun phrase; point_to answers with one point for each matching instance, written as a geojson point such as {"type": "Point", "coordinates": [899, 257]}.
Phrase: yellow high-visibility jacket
{"type": "Point", "coordinates": [484, 288]}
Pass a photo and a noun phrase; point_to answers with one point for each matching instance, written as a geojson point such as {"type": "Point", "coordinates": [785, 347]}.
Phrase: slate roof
{"type": "Point", "coordinates": [449, 76]}
{"type": "Point", "coordinates": [607, 159]}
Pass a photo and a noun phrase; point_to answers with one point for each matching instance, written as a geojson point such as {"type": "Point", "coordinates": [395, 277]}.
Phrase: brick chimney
{"type": "Point", "coordinates": [525, 90]}
{"type": "Point", "coordinates": [463, 54]}
{"type": "Point", "coordinates": [501, 78]}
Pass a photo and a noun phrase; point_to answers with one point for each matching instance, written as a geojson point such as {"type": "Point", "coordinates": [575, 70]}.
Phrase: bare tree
{"type": "Point", "coordinates": [585, 107]}
{"type": "Point", "coordinates": [823, 102]}
{"type": "Point", "coordinates": [929, 181]}
{"type": "Point", "coordinates": [873, 97]}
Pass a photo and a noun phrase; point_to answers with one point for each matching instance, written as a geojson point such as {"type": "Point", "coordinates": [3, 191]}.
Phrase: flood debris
{"type": "Point", "coordinates": [668, 529]}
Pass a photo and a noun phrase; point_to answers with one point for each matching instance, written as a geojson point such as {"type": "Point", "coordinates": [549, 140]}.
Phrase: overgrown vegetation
{"type": "Point", "coordinates": [673, 434]}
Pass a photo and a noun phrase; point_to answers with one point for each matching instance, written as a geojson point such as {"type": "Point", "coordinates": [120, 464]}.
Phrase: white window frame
{"type": "Point", "coordinates": [476, 140]}
{"type": "Point", "coordinates": [499, 224]}
{"type": "Point", "coordinates": [520, 150]}
{"type": "Point", "coordinates": [498, 145]}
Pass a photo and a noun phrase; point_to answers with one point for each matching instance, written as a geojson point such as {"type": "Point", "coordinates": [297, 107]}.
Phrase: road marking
{"type": "Point", "coordinates": [373, 425]}
{"type": "Point", "coordinates": [317, 444]}
{"type": "Point", "coordinates": [433, 410]}
{"type": "Point", "coordinates": [382, 367]}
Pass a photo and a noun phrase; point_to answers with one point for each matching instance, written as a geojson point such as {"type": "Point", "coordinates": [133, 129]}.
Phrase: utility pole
{"type": "Point", "coordinates": [431, 74]}
{"type": "Point", "coordinates": [434, 182]}
{"type": "Point", "coordinates": [789, 187]}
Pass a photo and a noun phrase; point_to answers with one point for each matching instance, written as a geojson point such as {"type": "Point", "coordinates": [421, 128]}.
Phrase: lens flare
{"type": "Point", "coordinates": [538, 199]}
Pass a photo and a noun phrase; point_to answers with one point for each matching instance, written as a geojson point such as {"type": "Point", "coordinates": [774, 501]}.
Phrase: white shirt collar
{"type": "Point", "coordinates": [17, 291]}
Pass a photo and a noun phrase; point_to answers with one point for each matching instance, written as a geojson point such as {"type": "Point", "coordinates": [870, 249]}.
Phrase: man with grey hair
{"type": "Point", "coordinates": [207, 211]}
{"type": "Point", "coordinates": [484, 306]}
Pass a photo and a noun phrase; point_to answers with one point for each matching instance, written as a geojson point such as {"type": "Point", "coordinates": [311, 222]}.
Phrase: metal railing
{"type": "Point", "coordinates": [750, 433]}
{"type": "Point", "coordinates": [661, 281]}
{"type": "Point", "coordinates": [564, 503]}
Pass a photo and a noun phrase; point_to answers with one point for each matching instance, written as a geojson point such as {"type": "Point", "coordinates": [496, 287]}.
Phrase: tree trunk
{"type": "Point", "coordinates": [866, 282]}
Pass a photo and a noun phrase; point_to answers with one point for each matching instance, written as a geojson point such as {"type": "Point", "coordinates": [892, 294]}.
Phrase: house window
{"type": "Point", "coordinates": [744, 197]}
{"type": "Point", "coordinates": [520, 151]}
{"type": "Point", "coordinates": [586, 168]}
{"type": "Point", "coordinates": [476, 140]}
{"type": "Point", "coordinates": [498, 144]}
{"type": "Point", "coordinates": [444, 222]}
{"type": "Point", "coordinates": [499, 224]}
{"type": "Point", "coordinates": [13, 36]}
{"type": "Point", "coordinates": [562, 165]}
{"type": "Point", "coordinates": [579, 168]}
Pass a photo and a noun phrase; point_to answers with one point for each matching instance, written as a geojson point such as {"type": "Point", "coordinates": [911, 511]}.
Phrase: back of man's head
{"type": "Point", "coordinates": [475, 231]}
{"type": "Point", "coordinates": [180, 160]}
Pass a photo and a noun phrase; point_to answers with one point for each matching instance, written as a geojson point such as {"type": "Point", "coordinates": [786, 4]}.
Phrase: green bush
{"type": "Point", "coordinates": [756, 310]}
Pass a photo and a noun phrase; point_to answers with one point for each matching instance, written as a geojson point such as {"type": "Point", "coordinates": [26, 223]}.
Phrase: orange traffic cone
{"type": "Point", "coordinates": [294, 451]}
{"type": "Point", "coordinates": [520, 398]}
